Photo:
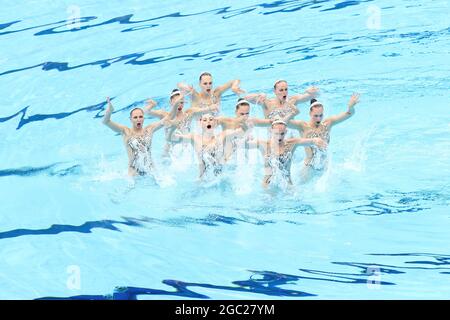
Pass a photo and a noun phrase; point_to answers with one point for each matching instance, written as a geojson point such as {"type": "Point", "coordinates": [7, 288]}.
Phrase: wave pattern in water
{"type": "Point", "coordinates": [382, 215]}
{"type": "Point", "coordinates": [268, 283]}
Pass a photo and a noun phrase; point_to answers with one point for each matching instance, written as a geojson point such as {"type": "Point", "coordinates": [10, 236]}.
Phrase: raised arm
{"type": "Point", "coordinates": [260, 122]}
{"type": "Point", "coordinates": [293, 113]}
{"type": "Point", "coordinates": [232, 84]}
{"type": "Point", "coordinates": [258, 98]}
{"type": "Point", "coordinates": [148, 109]}
{"type": "Point", "coordinates": [354, 99]}
{"type": "Point", "coordinates": [107, 119]}
{"type": "Point", "coordinates": [169, 119]}
{"type": "Point", "coordinates": [187, 89]}
{"type": "Point", "coordinates": [309, 94]}
{"type": "Point", "coordinates": [223, 121]}
{"type": "Point", "coordinates": [230, 133]}
{"type": "Point", "coordinates": [296, 124]}
{"type": "Point", "coordinates": [261, 145]}
{"type": "Point", "coordinates": [177, 138]}
{"type": "Point", "coordinates": [213, 108]}
{"type": "Point", "coordinates": [155, 126]}
{"type": "Point", "coordinates": [318, 142]}
{"type": "Point", "coordinates": [252, 144]}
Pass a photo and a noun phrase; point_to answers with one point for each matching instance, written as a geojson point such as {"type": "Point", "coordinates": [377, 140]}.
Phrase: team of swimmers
{"type": "Point", "coordinates": [215, 149]}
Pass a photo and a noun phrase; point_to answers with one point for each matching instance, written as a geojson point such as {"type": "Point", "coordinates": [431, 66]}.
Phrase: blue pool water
{"type": "Point", "coordinates": [376, 226]}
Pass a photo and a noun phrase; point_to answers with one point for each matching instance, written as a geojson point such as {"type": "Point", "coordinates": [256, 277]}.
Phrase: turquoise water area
{"type": "Point", "coordinates": [72, 225]}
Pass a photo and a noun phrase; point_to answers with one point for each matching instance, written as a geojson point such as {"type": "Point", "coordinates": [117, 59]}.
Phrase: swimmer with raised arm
{"type": "Point", "coordinates": [183, 118]}
{"type": "Point", "coordinates": [208, 96]}
{"type": "Point", "coordinates": [278, 153]}
{"type": "Point", "coordinates": [316, 160]}
{"type": "Point", "coordinates": [281, 106]}
{"type": "Point", "coordinates": [208, 145]}
{"type": "Point", "coordinates": [137, 139]}
{"type": "Point", "coordinates": [242, 113]}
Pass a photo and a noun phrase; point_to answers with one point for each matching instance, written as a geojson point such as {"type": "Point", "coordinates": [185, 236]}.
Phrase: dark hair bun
{"type": "Point", "coordinates": [312, 101]}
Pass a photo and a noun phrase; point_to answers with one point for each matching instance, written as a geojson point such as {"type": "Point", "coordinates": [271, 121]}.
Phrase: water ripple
{"type": "Point", "coordinates": [280, 6]}
{"type": "Point", "coordinates": [269, 282]}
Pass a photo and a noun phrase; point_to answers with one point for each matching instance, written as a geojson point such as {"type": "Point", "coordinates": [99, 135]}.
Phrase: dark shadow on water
{"type": "Point", "coordinates": [310, 50]}
{"type": "Point", "coordinates": [50, 170]}
{"type": "Point", "coordinates": [98, 108]}
{"type": "Point", "coordinates": [86, 227]}
{"type": "Point", "coordinates": [211, 220]}
{"type": "Point", "coordinates": [397, 202]}
{"type": "Point", "coordinates": [345, 4]}
{"type": "Point", "coordinates": [264, 8]}
{"type": "Point", "coordinates": [438, 261]}
{"type": "Point", "coordinates": [379, 208]}
{"type": "Point", "coordinates": [268, 284]}
{"type": "Point", "coordinates": [214, 220]}
{"type": "Point", "coordinates": [41, 117]}
{"type": "Point", "coordinates": [8, 24]}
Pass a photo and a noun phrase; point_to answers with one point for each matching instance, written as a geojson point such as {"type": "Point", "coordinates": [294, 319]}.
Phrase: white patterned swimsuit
{"type": "Point", "coordinates": [210, 157]}
{"type": "Point", "coordinates": [203, 105]}
{"type": "Point", "coordinates": [319, 158]}
{"type": "Point", "coordinates": [183, 127]}
{"type": "Point", "coordinates": [141, 154]}
{"type": "Point", "coordinates": [280, 112]}
{"type": "Point", "coordinates": [279, 164]}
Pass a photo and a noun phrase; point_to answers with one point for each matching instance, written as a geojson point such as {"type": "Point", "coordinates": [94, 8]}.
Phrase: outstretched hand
{"type": "Point", "coordinates": [186, 89]}
{"type": "Point", "coordinates": [249, 124]}
{"type": "Point", "coordinates": [319, 143]}
{"type": "Point", "coordinates": [151, 104]}
{"type": "Point", "coordinates": [110, 106]}
{"type": "Point", "coordinates": [214, 108]}
{"type": "Point", "coordinates": [260, 98]}
{"type": "Point", "coordinates": [244, 122]}
{"type": "Point", "coordinates": [354, 99]}
{"type": "Point", "coordinates": [312, 91]}
{"type": "Point", "coordinates": [237, 90]}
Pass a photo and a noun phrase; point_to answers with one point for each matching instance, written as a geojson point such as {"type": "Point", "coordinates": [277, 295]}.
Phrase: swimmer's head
{"type": "Point", "coordinates": [137, 118]}
{"type": "Point", "coordinates": [279, 130]}
{"type": "Point", "coordinates": [208, 122]}
{"type": "Point", "coordinates": [174, 96]}
{"type": "Point", "coordinates": [280, 88]}
{"type": "Point", "coordinates": [242, 108]}
{"type": "Point", "coordinates": [316, 111]}
{"type": "Point", "coordinates": [205, 82]}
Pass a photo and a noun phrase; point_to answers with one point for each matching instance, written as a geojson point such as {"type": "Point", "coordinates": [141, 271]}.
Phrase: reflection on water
{"type": "Point", "coordinates": [54, 93]}
{"type": "Point", "coordinates": [268, 283]}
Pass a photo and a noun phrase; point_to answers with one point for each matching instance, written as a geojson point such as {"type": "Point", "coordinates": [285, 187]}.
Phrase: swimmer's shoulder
{"type": "Point", "coordinates": [196, 137]}
{"type": "Point", "coordinates": [270, 102]}
{"type": "Point", "coordinates": [217, 92]}
{"type": "Point", "coordinates": [126, 133]}
{"type": "Point", "coordinates": [298, 124]}
{"type": "Point", "coordinates": [223, 119]}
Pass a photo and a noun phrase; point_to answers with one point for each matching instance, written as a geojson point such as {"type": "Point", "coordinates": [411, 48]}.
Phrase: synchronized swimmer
{"type": "Point", "coordinates": [137, 139]}
{"type": "Point", "coordinates": [214, 150]}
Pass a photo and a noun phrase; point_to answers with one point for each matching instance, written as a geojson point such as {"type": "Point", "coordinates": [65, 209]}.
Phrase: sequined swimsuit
{"type": "Point", "coordinates": [280, 112]}
{"type": "Point", "coordinates": [238, 143]}
{"type": "Point", "coordinates": [210, 156]}
{"type": "Point", "coordinates": [279, 164]}
{"type": "Point", "coordinates": [318, 160]}
{"type": "Point", "coordinates": [141, 154]}
{"type": "Point", "coordinates": [183, 126]}
{"type": "Point", "coordinates": [203, 105]}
